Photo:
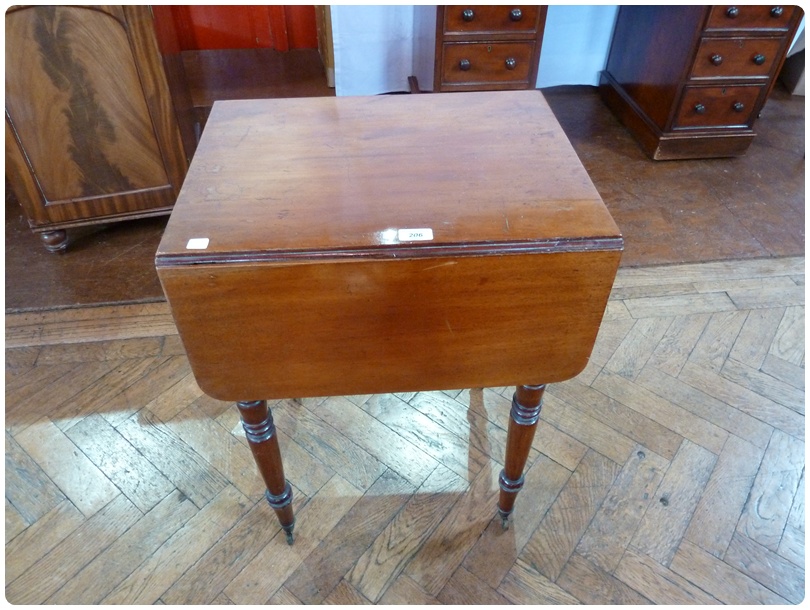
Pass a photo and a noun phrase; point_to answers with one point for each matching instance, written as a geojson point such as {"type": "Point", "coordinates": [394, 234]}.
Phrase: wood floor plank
{"type": "Point", "coordinates": [659, 584]}
{"type": "Point", "coordinates": [587, 430]}
{"type": "Point", "coordinates": [62, 563]}
{"type": "Point", "coordinates": [496, 550]}
{"type": "Point", "coordinates": [767, 568]}
{"type": "Point", "coordinates": [675, 500]}
{"type": "Point", "coordinates": [605, 540]}
{"type": "Point", "coordinates": [154, 380]}
{"type": "Point", "coordinates": [678, 342]}
{"type": "Point", "coordinates": [717, 340]}
{"type": "Point", "coordinates": [28, 488]}
{"type": "Point", "coordinates": [37, 540]}
{"type": "Point", "coordinates": [720, 580]}
{"type": "Point", "coordinates": [756, 335]}
{"type": "Point", "coordinates": [176, 461]}
{"type": "Point", "coordinates": [791, 547]}
{"type": "Point", "coordinates": [722, 501]}
{"type": "Point", "coordinates": [784, 371]}
{"type": "Point", "coordinates": [170, 402]}
{"type": "Point", "coordinates": [154, 576]}
{"type": "Point", "coordinates": [525, 585]}
{"type": "Point", "coordinates": [405, 591]}
{"type": "Point", "coordinates": [764, 385]}
{"type": "Point", "coordinates": [745, 400]}
{"type": "Point", "coordinates": [464, 589]}
{"type": "Point", "coordinates": [554, 541]}
{"type": "Point", "coordinates": [42, 404]}
{"type": "Point", "coordinates": [132, 473]}
{"type": "Point", "coordinates": [772, 493]}
{"type": "Point", "coordinates": [272, 566]}
{"type": "Point", "coordinates": [110, 567]}
{"type": "Point", "coordinates": [637, 346]}
{"type": "Point", "coordinates": [591, 585]}
{"type": "Point", "coordinates": [15, 524]}
{"type": "Point", "coordinates": [681, 304]}
{"type": "Point", "coordinates": [75, 475]}
{"type": "Point", "coordinates": [690, 426]}
{"type": "Point", "coordinates": [89, 324]}
{"type": "Point", "coordinates": [377, 439]}
{"type": "Point", "coordinates": [334, 449]}
{"type": "Point", "coordinates": [709, 272]}
{"type": "Point", "coordinates": [123, 349]}
{"type": "Point", "coordinates": [699, 403]}
{"type": "Point", "coordinates": [767, 293]}
{"type": "Point", "coordinates": [628, 422]}
{"type": "Point", "coordinates": [406, 534]}
{"type": "Point", "coordinates": [203, 582]}
{"type": "Point", "coordinates": [457, 533]}
{"type": "Point", "coordinates": [346, 595]}
{"type": "Point", "coordinates": [438, 442]}
{"type": "Point", "coordinates": [788, 344]}
{"type": "Point", "coordinates": [217, 446]}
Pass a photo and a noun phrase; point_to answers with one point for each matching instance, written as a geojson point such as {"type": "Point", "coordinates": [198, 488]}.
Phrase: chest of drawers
{"type": "Point", "coordinates": [481, 47]}
{"type": "Point", "coordinates": [689, 81]}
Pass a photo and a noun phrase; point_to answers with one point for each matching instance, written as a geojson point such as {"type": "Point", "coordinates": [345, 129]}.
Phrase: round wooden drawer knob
{"type": "Point", "coordinates": [738, 106]}
{"type": "Point", "coordinates": [732, 12]}
{"type": "Point", "coordinates": [465, 64]}
{"type": "Point", "coordinates": [716, 59]}
{"type": "Point", "coordinates": [759, 59]}
{"type": "Point", "coordinates": [468, 14]}
{"type": "Point", "coordinates": [777, 11]}
{"type": "Point", "coordinates": [510, 62]}
{"type": "Point", "coordinates": [700, 108]}
{"type": "Point", "coordinates": [516, 14]}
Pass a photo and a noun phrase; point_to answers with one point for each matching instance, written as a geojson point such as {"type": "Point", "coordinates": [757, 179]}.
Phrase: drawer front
{"type": "Point", "coordinates": [736, 57]}
{"type": "Point", "coordinates": [497, 62]}
{"type": "Point", "coordinates": [490, 19]}
{"type": "Point", "coordinates": [749, 18]}
{"type": "Point", "coordinates": [717, 106]}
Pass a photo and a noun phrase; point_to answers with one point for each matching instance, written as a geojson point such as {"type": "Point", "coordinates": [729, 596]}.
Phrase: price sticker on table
{"type": "Point", "coordinates": [415, 234]}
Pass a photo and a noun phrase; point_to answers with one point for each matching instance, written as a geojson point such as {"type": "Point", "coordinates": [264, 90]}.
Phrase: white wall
{"type": "Point", "coordinates": [374, 50]}
{"type": "Point", "coordinates": [576, 42]}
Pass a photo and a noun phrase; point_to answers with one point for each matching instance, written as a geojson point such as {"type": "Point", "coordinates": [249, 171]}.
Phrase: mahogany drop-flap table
{"type": "Point", "coordinates": [360, 245]}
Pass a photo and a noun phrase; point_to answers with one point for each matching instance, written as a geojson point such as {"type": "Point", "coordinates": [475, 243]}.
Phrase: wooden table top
{"type": "Point", "coordinates": [384, 176]}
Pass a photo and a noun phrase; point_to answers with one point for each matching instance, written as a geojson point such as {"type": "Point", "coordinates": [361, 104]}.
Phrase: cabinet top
{"type": "Point", "coordinates": [384, 176]}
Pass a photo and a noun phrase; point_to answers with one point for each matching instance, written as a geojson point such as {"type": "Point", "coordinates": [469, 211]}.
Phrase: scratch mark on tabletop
{"type": "Point", "coordinates": [440, 265]}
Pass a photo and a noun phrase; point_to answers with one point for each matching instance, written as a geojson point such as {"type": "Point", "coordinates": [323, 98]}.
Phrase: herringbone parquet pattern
{"type": "Point", "coordinates": [670, 471]}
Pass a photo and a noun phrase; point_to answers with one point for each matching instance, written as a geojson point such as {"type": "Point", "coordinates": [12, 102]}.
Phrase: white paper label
{"type": "Point", "coordinates": [197, 243]}
{"type": "Point", "coordinates": [415, 234]}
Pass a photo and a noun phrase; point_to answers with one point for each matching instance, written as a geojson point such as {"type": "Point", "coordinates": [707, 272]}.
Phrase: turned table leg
{"type": "Point", "coordinates": [526, 404]}
{"type": "Point", "coordinates": [261, 435]}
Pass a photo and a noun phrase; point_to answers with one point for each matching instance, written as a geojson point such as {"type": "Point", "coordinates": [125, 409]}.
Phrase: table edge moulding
{"type": "Point", "coordinates": [361, 245]}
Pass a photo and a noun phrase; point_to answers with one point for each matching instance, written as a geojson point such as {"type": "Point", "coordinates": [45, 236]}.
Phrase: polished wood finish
{"type": "Point", "coordinates": [523, 418]}
{"type": "Point", "coordinates": [694, 392]}
{"type": "Point", "coordinates": [260, 431]}
{"type": "Point", "coordinates": [91, 134]}
{"type": "Point", "coordinates": [417, 260]}
{"type": "Point", "coordinates": [689, 81]}
{"type": "Point", "coordinates": [487, 47]}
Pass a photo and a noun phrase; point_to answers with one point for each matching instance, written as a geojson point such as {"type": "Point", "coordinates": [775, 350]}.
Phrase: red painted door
{"type": "Point", "coordinates": [245, 27]}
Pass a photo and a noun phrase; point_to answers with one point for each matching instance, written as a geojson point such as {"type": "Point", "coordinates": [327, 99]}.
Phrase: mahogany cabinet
{"type": "Point", "coordinates": [91, 134]}
{"type": "Point", "coordinates": [475, 48]}
{"type": "Point", "coordinates": [689, 81]}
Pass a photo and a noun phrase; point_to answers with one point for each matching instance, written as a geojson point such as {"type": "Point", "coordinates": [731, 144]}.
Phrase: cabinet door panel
{"type": "Point", "coordinates": [89, 124]}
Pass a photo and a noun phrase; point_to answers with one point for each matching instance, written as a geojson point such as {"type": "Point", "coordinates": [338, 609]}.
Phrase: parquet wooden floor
{"type": "Point", "coordinates": [670, 471]}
